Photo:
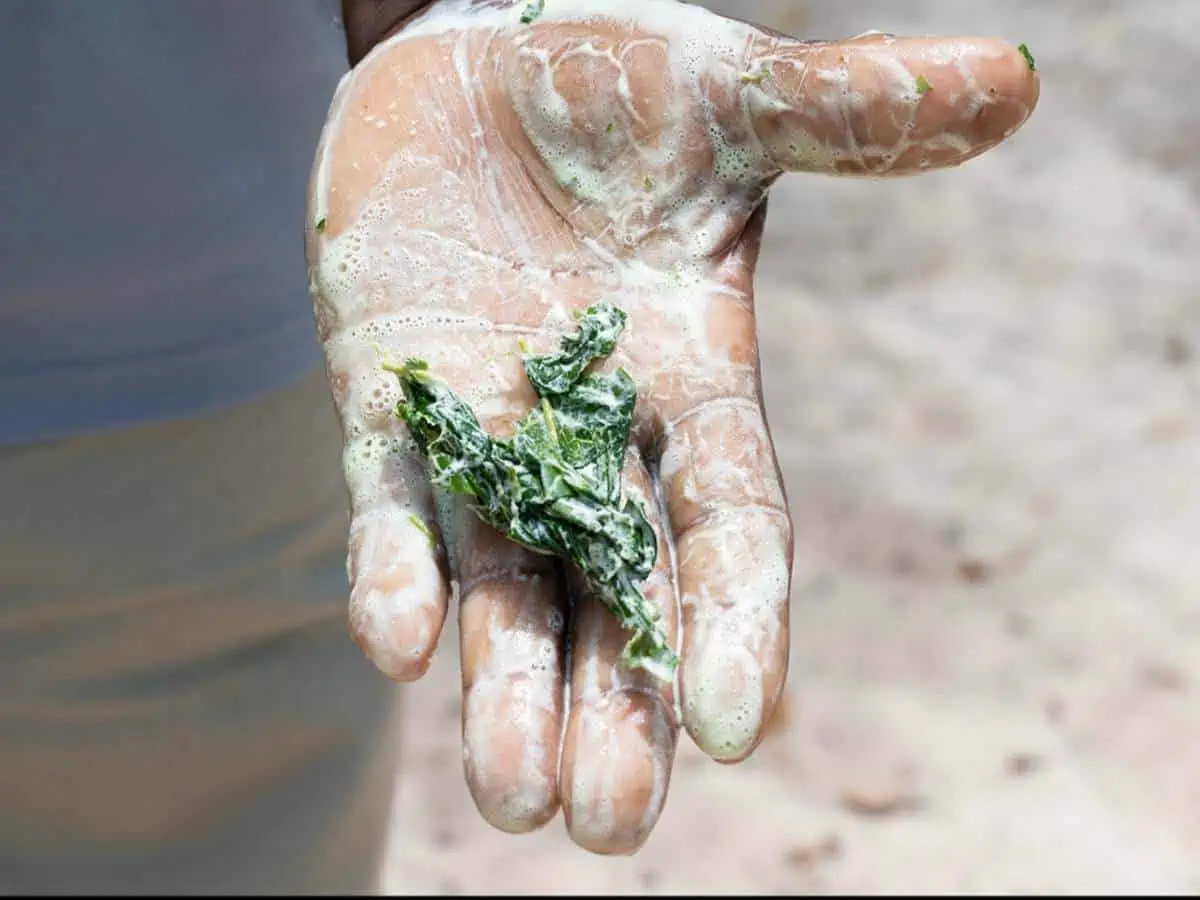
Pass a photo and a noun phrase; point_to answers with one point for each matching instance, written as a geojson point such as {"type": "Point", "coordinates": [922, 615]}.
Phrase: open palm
{"type": "Point", "coordinates": [481, 178]}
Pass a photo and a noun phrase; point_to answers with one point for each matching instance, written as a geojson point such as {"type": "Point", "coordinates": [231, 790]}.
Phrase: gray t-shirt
{"type": "Point", "coordinates": [154, 156]}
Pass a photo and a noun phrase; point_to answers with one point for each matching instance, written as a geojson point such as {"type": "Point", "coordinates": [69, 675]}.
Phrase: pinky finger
{"type": "Point", "coordinates": [399, 588]}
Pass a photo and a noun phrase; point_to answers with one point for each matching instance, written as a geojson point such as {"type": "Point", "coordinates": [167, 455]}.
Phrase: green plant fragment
{"type": "Point", "coordinates": [555, 485]}
{"type": "Point", "coordinates": [420, 525]}
{"type": "Point", "coordinates": [532, 11]}
{"type": "Point", "coordinates": [1029, 61]}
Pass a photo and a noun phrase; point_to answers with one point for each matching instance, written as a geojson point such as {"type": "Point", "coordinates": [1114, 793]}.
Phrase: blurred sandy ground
{"type": "Point", "coordinates": [983, 386]}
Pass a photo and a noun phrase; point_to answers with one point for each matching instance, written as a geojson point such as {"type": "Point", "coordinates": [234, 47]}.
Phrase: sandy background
{"type": "Point", "coordinates": [984, 389]}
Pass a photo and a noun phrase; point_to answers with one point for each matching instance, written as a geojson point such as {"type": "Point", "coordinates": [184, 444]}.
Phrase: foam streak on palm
{"type": "Point", "coordinates": [477, 181]}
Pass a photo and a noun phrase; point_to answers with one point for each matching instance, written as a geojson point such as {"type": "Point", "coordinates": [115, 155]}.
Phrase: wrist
{"type": "Point", "coordinates": [367, 22]}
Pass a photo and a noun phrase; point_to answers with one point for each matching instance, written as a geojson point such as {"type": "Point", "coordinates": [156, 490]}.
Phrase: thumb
{"type": "Point", "coordinates": [880, 105]}
{"type": "Point", "coordinates": [871, 105]}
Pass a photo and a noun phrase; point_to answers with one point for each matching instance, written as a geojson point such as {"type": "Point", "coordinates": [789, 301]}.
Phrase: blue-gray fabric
{"type": "Point", "coordinates": [154, 156]}
{"type": "Point", "coordinates": [182, 710]}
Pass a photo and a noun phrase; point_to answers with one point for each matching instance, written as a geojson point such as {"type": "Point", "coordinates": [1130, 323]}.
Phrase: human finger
{"type": "Point", "coordinates": [619, 742]}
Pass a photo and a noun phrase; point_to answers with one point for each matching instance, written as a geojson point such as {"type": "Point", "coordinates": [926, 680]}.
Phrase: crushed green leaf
{"type": "Point", "coordinates": [608, 128]}
{"type": "Point", "coordinates": [923, 85]}
{"type": "Point", "coordinates": [420, 525]}
{"type": "Point", "coordinates": [320, 226]}
{"type": "Point", "coordinates": [1024, 51]}
{"type": "Point", "coordinates": [533, 11]}
{"type": "Point", "coordinates": [555, 485]}
{"type": "Point", "coordinates": [755, 77]}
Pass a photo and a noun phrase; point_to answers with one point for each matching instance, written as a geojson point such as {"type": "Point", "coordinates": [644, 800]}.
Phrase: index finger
{"type": "Point", "coordinates": [881, 105]}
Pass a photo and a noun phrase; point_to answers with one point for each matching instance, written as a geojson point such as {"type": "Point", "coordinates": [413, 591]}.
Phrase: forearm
{"type": "Point", "coordinates": [367, 22]}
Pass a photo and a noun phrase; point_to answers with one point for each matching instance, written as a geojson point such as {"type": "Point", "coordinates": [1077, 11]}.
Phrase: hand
{"type": "Point", "coordinates": [477, 180]}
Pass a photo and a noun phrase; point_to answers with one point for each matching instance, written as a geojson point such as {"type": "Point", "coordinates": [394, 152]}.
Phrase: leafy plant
{"type": "Point", "coordinates": [555, 485]}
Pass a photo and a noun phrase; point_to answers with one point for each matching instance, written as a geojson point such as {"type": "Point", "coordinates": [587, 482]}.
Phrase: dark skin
{"type": "Point", "coordinates": [367, 22]}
